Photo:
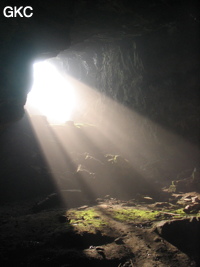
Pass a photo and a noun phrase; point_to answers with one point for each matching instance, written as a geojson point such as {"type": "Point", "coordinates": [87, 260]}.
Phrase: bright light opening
{"type": "Point", "coordinates": [51, 94]}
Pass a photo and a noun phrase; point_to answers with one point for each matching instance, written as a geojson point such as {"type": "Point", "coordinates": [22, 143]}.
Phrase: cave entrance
{"type": "Point", "coordinates": [51, 94]}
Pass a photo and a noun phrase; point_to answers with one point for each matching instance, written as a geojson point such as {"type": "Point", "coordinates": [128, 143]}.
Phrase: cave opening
{"type": "Point", "coordinates": [51, 95]}
{"type": "Point", "coordinates": [100, 136]}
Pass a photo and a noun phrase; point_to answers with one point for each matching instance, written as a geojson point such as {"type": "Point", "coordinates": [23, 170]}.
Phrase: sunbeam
{"type": "Point", "coordinates": [91, 156]}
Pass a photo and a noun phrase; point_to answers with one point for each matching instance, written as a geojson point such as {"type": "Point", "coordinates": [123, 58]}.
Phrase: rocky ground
{"type": "Point", "coordinates": [108, 232]}
{"type": "Point", "coordinates": [103, 212]}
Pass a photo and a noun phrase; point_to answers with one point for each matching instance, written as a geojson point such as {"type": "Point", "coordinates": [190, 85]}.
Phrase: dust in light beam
{"type": "Point", "coordinates": [117, 130]}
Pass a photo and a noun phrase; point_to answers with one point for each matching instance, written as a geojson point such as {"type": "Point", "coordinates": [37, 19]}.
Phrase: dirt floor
{"type": "Point", "coordinates": [109, 232]}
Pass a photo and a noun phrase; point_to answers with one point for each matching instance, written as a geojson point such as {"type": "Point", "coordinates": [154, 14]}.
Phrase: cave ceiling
{"type": "Point", "coordinates": [153, 43]}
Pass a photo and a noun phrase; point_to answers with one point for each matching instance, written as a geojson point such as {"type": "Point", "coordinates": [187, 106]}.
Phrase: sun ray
{"type": "Point", "coordinates": [106, 128]}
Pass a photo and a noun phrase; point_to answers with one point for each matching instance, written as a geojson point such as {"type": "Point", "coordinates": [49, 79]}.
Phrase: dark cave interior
{"type": "Point", "coordinates": [134, 134]}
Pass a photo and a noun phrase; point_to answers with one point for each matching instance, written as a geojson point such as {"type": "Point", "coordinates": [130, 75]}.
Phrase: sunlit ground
{"type": "Point", "coordinates": [115, 130]}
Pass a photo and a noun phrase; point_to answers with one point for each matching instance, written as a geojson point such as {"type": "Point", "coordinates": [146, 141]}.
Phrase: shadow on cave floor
{"type": "Point", "coordinates": [185, 235]}
{"type": "Point", "coordinates": [44, 222]}
{"type": "Point", "coordinates": [110, 233]}
{"type": "Point", "coordinates": [32, 167]}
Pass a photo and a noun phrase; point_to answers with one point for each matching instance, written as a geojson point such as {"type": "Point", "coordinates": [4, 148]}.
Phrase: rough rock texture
{"type": "Point", "coordinates": [184, 234]}
{"type": "Point", "coordinates": [23, 41]}
{"type": "Point", "coordinates": [137, 53]}
{"type": "Point", "coordinates": [143, 54]}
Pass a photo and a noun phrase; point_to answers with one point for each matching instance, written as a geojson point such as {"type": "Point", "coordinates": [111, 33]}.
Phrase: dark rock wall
{"type": "Point", "coordinates": [144, 73]}
{"type": "Point", "coordinates": [23, 41]}
{"type": "Point", "coordinates": [143, 54]}
{"type": "Point", "coordinates": [136, 52]}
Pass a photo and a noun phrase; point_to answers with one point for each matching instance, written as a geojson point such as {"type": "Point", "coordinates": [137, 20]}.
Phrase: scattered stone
{"type": "Point", "coordinates": [144, 199]}
{"type": "Point", "coordinates": [119, 241]}
{"type": "Point", "coordinates": [195, 199]}
{"type": "Point", "coordinates": [192, 208]}
{"type": "Point", "coordinates": [129, 204]}
{"type": "Point", "coordinates": [99, 200]}
{"type": "Point", "coordinates": [101, 253]}
{"type": "Point", "coordinates": [99, 249]}
{"type": "Point", "coordinates": [177, 196]}
{"type": "Point", "coordinates": [148, 198]}
{"type": "Point", "coordinates": [157, 239]}
{"type": "Point", "coordinates": [83, 207]}
{"type": "Point", "coordinates": [187, 199]}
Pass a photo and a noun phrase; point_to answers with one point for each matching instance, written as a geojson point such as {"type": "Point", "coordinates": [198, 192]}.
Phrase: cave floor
{"type": "Point", "coordinates": [111, 232]}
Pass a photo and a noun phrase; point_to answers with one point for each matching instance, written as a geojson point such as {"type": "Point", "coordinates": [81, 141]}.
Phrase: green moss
{"type": "Point", "coordinates": [181, 213]}
{"type": "Point", "coordinates": [88, 219]}
{"type": "Point", "coordinates": [91, 219]}
{"type": "Point", "coordinates": [139, 215]}
{"type": "Point", "coordinates": [134, 215]}
{"type": "Point", "coordinates": [178, 212]}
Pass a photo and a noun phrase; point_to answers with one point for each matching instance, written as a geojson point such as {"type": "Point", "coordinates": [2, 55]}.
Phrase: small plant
{"type": "Point", "coordinates": [172, 188]}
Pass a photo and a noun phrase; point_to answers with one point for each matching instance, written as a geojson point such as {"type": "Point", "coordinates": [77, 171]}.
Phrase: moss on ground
{"type": "Point", "coordinates": [87, 220]}
{"type": "Point", "coordinates": [92, 219]}
{"type": "Point", "coordinates": [124, 215]}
